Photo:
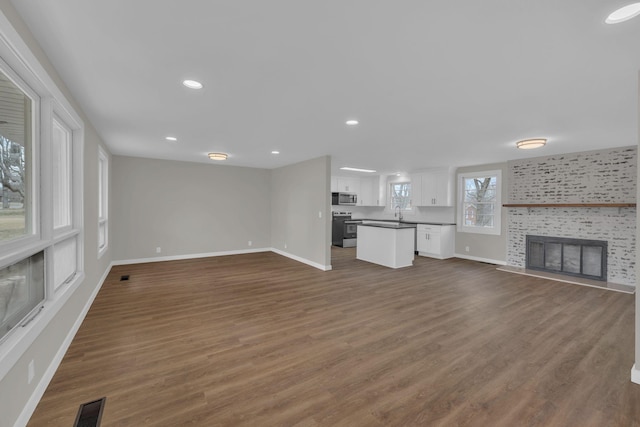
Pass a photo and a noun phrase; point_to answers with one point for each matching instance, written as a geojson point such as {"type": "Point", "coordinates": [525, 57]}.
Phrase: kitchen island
{"type": "Point", "coordinates": [387, 244]}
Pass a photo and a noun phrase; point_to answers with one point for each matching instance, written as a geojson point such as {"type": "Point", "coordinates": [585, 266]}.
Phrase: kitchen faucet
{"type": "Point", "coordinates": [398, 213]}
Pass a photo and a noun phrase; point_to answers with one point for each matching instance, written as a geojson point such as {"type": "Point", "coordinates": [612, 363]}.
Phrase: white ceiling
{"type": "Point", "coordinates": [432, 83]}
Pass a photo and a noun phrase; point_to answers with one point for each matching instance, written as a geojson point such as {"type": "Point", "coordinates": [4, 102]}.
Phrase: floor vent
{"type": "Point", "coordinates": [90, 413]}
{"type": "Point", "coordinates": [124, 278]}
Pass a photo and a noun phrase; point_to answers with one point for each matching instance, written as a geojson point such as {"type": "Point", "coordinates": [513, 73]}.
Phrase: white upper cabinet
{"type": "Point", "coordinates": [348, 184]}
{"type": "Point", "coordinates": [368, 189]}
{"type": "Point", "coordinates": [370, 192]}
{"type": "Point", "coordinates": [433, 187]}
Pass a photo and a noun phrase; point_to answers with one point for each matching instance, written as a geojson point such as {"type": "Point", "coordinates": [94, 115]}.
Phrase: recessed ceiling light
{"type": "Point", "coordinates": [275, 152]}
{"type": "Point", "coordinates": [192, 84]}
{"type": "Point", "coordinates": [346, 168]}
{"type": "Point", "coordinates": [218, 156]}
{"type": "Point", "coordinates": [171, 138]}
{"type": "Point", "coordinates": [351, 122]}
{"type": "Point", "coordinates": [624, 14]}
{"type": "Point", "coordinates": [528, 144]}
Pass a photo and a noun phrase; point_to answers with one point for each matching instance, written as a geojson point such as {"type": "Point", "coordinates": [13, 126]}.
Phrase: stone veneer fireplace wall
{"type": "Point", "coordinates": [603, 176]}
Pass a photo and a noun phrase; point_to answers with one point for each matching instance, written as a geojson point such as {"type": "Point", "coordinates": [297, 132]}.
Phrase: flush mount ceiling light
{"type": "Point", "coordinates": [171, 138]}
{"type": "Point", "coordinates": [192, 84]}
{"type": "Point", "coordinates": [275, 152]}
{"type": "Point", "coordinates": [351, 122]}
{"type": "Point", "coordinates": [218, 156]}
{"type": "Point", "coordinates": [356, 169]}
{"type": "Point", "coordinates": [624, 14]}
{"type": "Point", "coordinates": [529, 144]}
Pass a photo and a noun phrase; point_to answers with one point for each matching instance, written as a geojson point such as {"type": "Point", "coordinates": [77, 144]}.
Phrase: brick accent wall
{"type": "Point", "coordinates": [603, 176]}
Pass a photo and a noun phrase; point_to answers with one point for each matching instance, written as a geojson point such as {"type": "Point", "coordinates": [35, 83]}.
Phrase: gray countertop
{"type": "Point", "coordinates": [394, 225]}
{"type": "Point", "coordinates": [404, 221]}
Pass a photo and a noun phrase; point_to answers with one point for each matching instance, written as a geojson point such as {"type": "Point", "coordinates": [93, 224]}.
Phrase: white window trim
{"type": "Point", "coordinates": [62, 123]}
{"type": "Point", "coordinates": [23, 63]}
{"type": "Point", "coordinates": [399, 180]}
{"type": "Point", "coordinates": [497, 224]}
{"type": "Point", "coordinates": [14, 250]}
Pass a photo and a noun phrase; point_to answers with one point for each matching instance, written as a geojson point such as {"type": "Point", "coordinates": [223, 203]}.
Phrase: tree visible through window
{"type": "Point", "coordinates": [401, 195]}
{"type": "Point", "coordinates": [15, 137]}
{"type": "Point", "coordinates": [479, 208]}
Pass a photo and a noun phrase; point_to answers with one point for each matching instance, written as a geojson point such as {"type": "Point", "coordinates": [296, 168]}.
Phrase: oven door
{"type": "Point", "coordinates": [350, 231]}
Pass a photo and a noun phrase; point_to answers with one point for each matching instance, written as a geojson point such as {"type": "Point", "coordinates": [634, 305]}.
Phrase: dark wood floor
{"type": "Point", "coordinates": [261, 340]}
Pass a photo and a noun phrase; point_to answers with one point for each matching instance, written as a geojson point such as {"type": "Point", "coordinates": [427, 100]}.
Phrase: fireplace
{"type": "Point", "coordinates": [573, 257]}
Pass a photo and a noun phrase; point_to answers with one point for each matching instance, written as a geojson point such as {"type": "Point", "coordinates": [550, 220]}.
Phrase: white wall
{"type": "Point", "coordinates": [188, 208]}
{"type": "Point", "coordinates": [16, 396]}
{"type": "Point", "coordinates": [300, 211]}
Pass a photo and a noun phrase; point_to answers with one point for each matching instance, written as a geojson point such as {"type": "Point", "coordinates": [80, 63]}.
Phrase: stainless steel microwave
{"type": "Point", "coordinates": [350, 199]}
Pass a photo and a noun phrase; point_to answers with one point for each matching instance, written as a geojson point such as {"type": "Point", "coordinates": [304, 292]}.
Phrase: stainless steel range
{"type": "Point", "coordinates": [344, 231]}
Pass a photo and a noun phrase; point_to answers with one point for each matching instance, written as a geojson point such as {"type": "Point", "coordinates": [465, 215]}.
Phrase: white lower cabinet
{"type": "Point", "coordinates": [435, 241]}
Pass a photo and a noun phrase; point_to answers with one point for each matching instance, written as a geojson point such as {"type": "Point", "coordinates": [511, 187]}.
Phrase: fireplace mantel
{"type": "Point", "coordinates": [569, 205]}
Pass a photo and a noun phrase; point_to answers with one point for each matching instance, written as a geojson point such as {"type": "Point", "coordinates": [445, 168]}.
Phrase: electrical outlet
{"type": "Point", "coordinates": [319, 214]}
{"type": "Point", "coordinates": [285, 246]}
{"type": "Point", "coordinates": [466, 248]}
{"type": "Point", "coordinates": [31, 372]}
{"type": "Point", "coordinates": [250, 243]}
{"type": "Point", "coordinates": [158, 249]}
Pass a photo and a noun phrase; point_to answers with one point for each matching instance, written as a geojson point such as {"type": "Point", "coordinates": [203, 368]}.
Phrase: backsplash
{"type": "Point", "coordinates": [603, 176]}
{"type": "Point", "coordinates": [422, 214]}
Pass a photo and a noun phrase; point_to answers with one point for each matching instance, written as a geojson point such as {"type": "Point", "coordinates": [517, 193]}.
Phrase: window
{"type": "Point", "coordinates": [41, 248]}
{"type": "Point", "coordinates": [103, 195]}
{"type": "Point", "coordinates": [62, 179]}
{"type": "Point", "coordinates": [16, 130]}
{"type": "Point", "coordinates": [400, 195]}
{"type": "Point", "coordinates": [479, 205]}
{"type": "Point", "coordinates": [22, 289]}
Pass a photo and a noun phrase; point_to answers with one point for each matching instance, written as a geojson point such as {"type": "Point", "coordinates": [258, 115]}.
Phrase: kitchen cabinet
{"type": "Point", "coordinates": [433, 187]}
{"type": "Point", "coordinates": [348, 185]}
{"type": "Point", "coordinates": [370, 194]}
{"type": "Point", "coordinates": [367, 188]}
{"type": "Point", "coordinates": [435, 241]}
{"type": "Point", "coordinates": [388, 245]}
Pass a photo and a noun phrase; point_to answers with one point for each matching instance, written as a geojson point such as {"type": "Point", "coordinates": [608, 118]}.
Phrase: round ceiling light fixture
{"type": "Point", "coordinates": [275, 152]}
{"type": "Point", "coordinates": [351, 122]}
{"type": "Point", "coordinates": [218, 156]}
{"type": "Point", "coordinates": [623, 14]}
{"type": "Point", "coordinates": [529, 144]}
{"type": "Point", "coordinates": [171, 138]}
{"type": "Point", "coordinates": [192, 84]}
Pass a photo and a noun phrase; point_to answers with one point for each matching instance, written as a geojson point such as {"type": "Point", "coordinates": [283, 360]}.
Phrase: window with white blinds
{"type": "Point", "coordinates": [103, 208]}
{"type": "Point", "coordinates": [65, 261]}
{"type": "Point", "coordinates": [62, 175]}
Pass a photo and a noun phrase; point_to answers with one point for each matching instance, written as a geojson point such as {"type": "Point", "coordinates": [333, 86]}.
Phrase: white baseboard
{"type": "Point", "coordinates": [48, 374]}
{"type": "Point", "coordinates": [189, 256]}
{"type": "Point", "coordinates": [635, 375]}
{"type": "Point", "coordinates": [302, 260]}
{"type": "Point", "coordinates": [479, 259]}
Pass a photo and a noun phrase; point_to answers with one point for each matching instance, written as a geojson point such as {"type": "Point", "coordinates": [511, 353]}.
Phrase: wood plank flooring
{"type": "Point", "coordinates": [261, 340]}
